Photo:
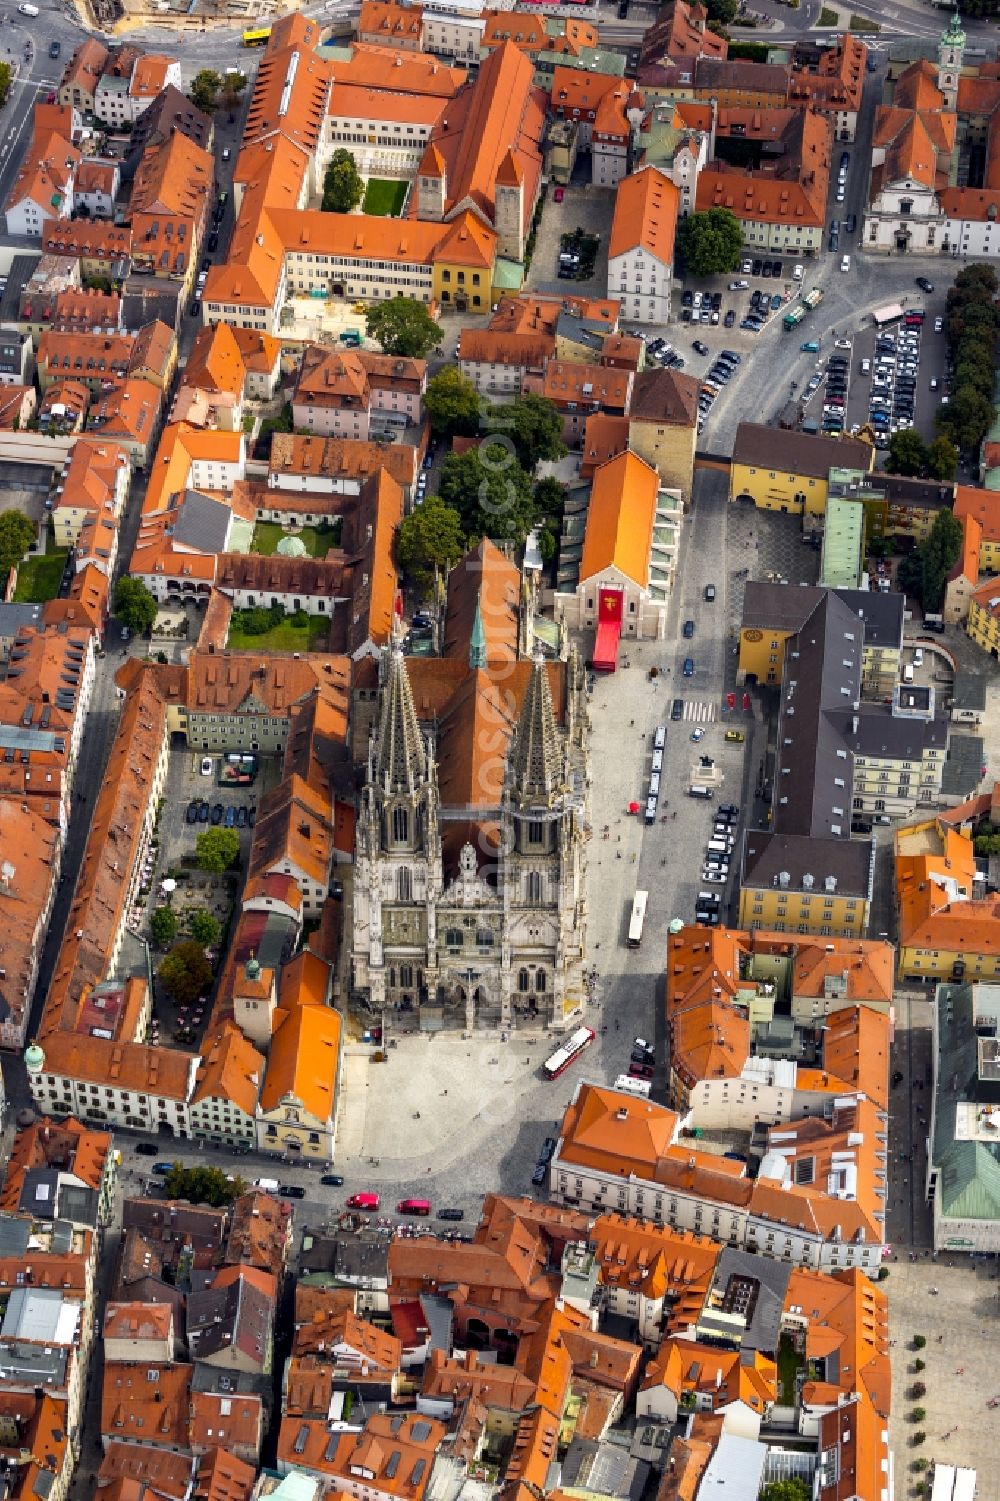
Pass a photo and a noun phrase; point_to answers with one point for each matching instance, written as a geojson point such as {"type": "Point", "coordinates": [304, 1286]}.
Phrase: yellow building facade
{"type": "Point", "coordinates": [795, 910]}
{"type": "Point", "coordinates": [983, 624]}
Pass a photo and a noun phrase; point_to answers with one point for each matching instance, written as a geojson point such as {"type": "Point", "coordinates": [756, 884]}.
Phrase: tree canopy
{"type": "Point", "coordinates": [910, 455]}
{"type": "Point", "coordinates": [343, 185]}
{"type": "Point", "coordinates": [972, 323]}
{"type": "Point", "coordinates": [134, 605]}
{"type": "Point", "coordinates": [533, 425]}
{"type": "Point", "coordinates": [926, 570]}
{"type": "Point", "coordinates": [451, 401]}
{"type": "Point", "coordinates": [163, 926]}
{"type": "Point", "coordinates": [204, 928]}
{"type": "Point", "coordinates": [491, 493]}
{"type": "Point", "coordinates": [185, 973]}
{"type": "Point", "coordinates": [907, 453]}
{"type": "Point", "coordinates": [205, 88]}
{"type": "Point", "coordinates": [203, 1185]}
{"type": "Point", "coordinates": [6, 79]}
{"type": "Point", "coordinates": [403, 326]}
{"type": "Point", "coordinates": [17, 532]}
{"type": "Point", "coordinates": [431, 538]}
{"type": "Point", "coordinates": [217, 849]}
{"type": "Point", "coordinates": [792, 1489]}
{"type": "Point", "coordinates": [710, 243]}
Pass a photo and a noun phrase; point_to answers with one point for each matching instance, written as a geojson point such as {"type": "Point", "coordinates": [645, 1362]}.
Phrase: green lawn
{"type": "Point", "coordinates": [38, 578]}
{"type": "Point", "coordinates": [383, 196]}
{"type": "Point", "coordinates": [788, 1362]}
{"type": "Point", "coordinates": [283, 637]}
{"type": "Point", "coordinates": [318, 539]}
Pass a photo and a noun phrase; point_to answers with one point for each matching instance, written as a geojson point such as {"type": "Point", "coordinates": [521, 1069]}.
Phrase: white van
{"type": "Point", "coordinates": [718, 847]}
{"type": "Point", "coordinates": [267, 1185]}
{"type": "Point", "coordinates": [908, 674]}
{"type": "Point", "coordinates": [697, 790]}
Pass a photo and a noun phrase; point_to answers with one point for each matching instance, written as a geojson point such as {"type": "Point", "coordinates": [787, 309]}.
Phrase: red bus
{"type": "Point", "coordinates": [571, 1048]}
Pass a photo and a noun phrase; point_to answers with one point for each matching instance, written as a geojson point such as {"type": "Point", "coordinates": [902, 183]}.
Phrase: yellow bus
{"type": "Point", "coordinates": [256, 38]}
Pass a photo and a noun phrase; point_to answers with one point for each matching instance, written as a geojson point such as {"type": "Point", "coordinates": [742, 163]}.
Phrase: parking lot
{"type": "Point", "coordinates": [589, 209]}
{"type": "Point", "coordinates": [901, 361]}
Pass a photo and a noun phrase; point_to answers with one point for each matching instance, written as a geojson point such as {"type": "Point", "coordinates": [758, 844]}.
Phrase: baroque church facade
{"type": "Point", "coordinates": [470, 879]}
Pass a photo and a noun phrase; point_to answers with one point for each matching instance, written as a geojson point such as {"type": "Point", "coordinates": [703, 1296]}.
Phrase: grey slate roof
{"type": "Point", "coordinates": [201, 522]}
{"type": "Point", "coordinates": [767, 855]}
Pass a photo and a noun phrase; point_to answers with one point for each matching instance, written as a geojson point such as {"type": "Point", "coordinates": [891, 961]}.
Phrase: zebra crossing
{"type": "Point", "coordinates": [698, 710]}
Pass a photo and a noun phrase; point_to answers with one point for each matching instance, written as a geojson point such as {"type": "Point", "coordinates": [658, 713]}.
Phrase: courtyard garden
{"type": "Point", "coordinates": [383, 196]}
{"type": "Point", "coordinates": [316, 540]}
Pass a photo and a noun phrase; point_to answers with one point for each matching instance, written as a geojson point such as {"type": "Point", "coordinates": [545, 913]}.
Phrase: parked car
{"type": "Point", "coordinates": [230, 819]}
{"type": "Point", "coordinates": [147, 1148]}
{"type": "Point", "coordinates": [292, 1191]}
{"type": "Point", "coordinates": [548, 1149]}
{"type": "Point", "coordinates": [540, 1174]}
{"type": "Point", "coordinates": [710, 592]}
{"type": "Point", "coordinates": [218, 813]}
{"type": "Point", "coordinates": [191, 816]}
{"type": "Point", "coordinates": [735, 737]}
{"type": "Point", "coordinates": [451, 1214]}
{"type": "Point", "coordinates": [203, 813]}
{"type": "Point", "coordinates": [332, 1180]}
{"type": "Point", "coordinates": [162, 1169]}
{"type": "Point", "coordinates": [687, 629]}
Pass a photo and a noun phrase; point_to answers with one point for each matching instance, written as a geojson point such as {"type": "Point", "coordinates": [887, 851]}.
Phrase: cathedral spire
{"type": "Point", "coordinates": [535, 761]}
{"type": "Point", "coordinates": [477, 641]}
{"type": "Point", "coordinates": [400, 761]}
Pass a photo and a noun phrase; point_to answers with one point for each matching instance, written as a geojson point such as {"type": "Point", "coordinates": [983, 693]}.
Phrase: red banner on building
{"type": "Point", "coordinates": [609, 605]}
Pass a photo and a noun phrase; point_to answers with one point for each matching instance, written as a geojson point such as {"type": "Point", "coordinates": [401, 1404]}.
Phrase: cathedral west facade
{"type": "Point", "coordinates": [470, 891]}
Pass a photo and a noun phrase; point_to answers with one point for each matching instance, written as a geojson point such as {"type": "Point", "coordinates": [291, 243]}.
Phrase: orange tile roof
{"type": "Point", "coordinates": [216, 362]}
{"type": "Point", "coordinates": [917, 87]}
{"type": "Point", "coordinates": [709, 1041]}
{"type": "Point", "coordinates": [690, 1369]}
{"type": "Point", "coordinates": [565, 380]}
{"type": "Point", "coordinates": [463, 241]}
{"type": "Point", "coordinates": [792, 190]}
{"type": "Point", "coordinates": [984, 505]}
{"type": "Point", "coordinates": [352, 101]}
{"type": "Point", "coordinates": [865, 964]}
{"type": "Point", "coordinates": [413, 1440]}
{"type": "Point", "coordinates": [82, 1153]}
{"type": "Point", "coordinates": [484, 346]}
{"type": "Point", "coordinates": [235, 1422]}
{"type": "Point", "coordinates": [501, 111]}
{"type": "Point", "coordinates": [304, 1062]}
{"type": "Point", "coordinates": [46, 172]}
{"type": "Point", "coordinates": [620, 519]}
{"type": "Point", "coordinates": [657, 1262]}
{"type": "Point", "coordinates": [230, 1069]}
{"type": "Point", "coordinates": [137, 1321]}
{"type": "Point", "coordinates": [130, 412]}
{"type": "Point", "coordinates": [149, 76]}
{"type": "Point", "coordinates": [646, 207]}
{"type": "Point", "coordinates": [532, 34]}
{"type": "Point", "coordinates": [87, 238]}
{"type": "Point", "coordinates": [846, 1316]}
{"type": "Point", "coordinates": [167, 1475]}
{"type": "Point", "coordinates": [154, 1412]}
